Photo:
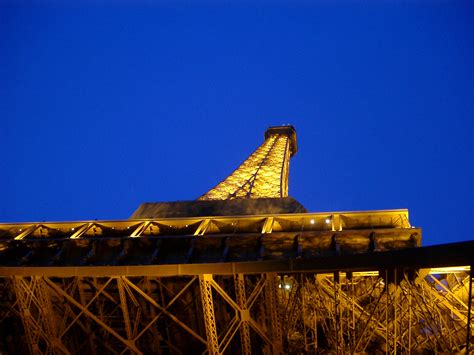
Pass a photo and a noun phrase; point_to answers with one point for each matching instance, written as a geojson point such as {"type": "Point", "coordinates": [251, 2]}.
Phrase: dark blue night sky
{"type": "Point", "coordinates": [105, 105]}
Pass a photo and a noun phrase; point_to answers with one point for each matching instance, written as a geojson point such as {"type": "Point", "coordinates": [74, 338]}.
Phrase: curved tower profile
{"type": "Point", "coordinates": [264, 174]}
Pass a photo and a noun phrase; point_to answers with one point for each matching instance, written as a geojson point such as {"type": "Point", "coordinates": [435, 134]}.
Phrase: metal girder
{"type": "Point", "coordinates": [313, 221]}
{"type": "Point", "coordinates": [202, 227]}
{"type": "Point", "coordinates": [470, 316]}
{"type": "Point", "coordinates": [239, 281]}
{"type": "Point", "coordinates": [164, 309]}
{"type": "Point", "coordinates": [273, 309]}
{"type": "Point", "coordinates": [329, 282]}
{"type": "Point", "coordinates": [38, 317]}
{"type": "Point", "coordinates": [199, 240]}
{"type": "Point", "coordinates": [205, 282]}
{"type": "Point", "coordinates": [334, 312]}
{"type": "Point", "coordinates": [268, 225]}
{"type": "Point", "coordinates": [365, 313]}
{"type": "Point", "coordinates": [140, 229]}
{"type": "Point", "coordinates": [91, 315]}
{"type": "Point", "coordinates": [264, 173]}
{"type": "Point", "coordinates": [320, 221]}
{"type": "Point", "coordinates": [455, 254]}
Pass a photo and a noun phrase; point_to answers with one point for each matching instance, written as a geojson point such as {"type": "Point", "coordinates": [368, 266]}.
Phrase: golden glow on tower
{"type": "Point", "coordinates": [264, 173]}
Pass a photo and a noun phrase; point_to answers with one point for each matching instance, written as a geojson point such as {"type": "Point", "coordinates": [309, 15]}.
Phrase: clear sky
{"type": "Point", "coordinates": [107, 104]}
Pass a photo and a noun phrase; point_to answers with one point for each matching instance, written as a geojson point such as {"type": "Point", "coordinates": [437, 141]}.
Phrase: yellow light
{"type": "Point", "coordinates": [449, 270]}
{"type": "Point", "coordinates": [312, 221]}
{"type": "Point", "coordinates": [365, 273]}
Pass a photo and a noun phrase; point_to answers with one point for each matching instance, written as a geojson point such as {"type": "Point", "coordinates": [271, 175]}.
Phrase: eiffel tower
{"type": "Point", "coordinates": [243, 269]}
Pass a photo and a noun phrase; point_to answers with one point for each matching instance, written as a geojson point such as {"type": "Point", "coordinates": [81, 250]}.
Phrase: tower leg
{"type": "Point", "coordinates": [271, 295]}
{"type": "Point", "coordinates": [37, 315]}
{"type": "Point", "coordinates": [241, 301]}
{"type": "Point", "coordinates": [205, 282]}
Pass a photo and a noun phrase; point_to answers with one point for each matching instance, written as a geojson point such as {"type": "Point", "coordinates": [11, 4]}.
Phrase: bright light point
{"type": "Point", "coordinates": [328, 221]}
{"type": "Point", "coordinates": [128, 227]}
{"type": "Point", "coordinates": [279, 286]}
{"type": "Point", "coordinates": [72, 229]}
{"type": "Point", "coordinates": [450, 269]}
{"type": "Point", "coordinates": [287, 287]}
{"type": "Point", "coordinates": [312, 221]}
{"type": "Point", "coordinates": [186, 225]}
{"type": "Point", "coordinates": [21, 230]}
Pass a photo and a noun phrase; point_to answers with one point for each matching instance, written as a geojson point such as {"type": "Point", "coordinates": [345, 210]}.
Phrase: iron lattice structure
{"type": "Point", "coordinates": [264, 173]}
{"type": "Point", "coordinates": [296, 282]}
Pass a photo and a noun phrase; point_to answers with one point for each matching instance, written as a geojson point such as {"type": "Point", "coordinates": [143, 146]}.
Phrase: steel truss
{"type": "Point", "coordinates": [264, 173]}
{"type": "Point", "coordinates": [345, 282]}
{"type": "Point", "coordinates": [360, 312]}
{"type": "Point", "coordinates": [344, 313]}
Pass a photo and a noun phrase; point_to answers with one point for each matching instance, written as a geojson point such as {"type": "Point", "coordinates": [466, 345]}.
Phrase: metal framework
{"type": "Point", "coordinates": [197, 240]}
{"type": "Point", "coordinates": [339, 283]}
{"type": "Point", "coordinates": [348, 282]}
{"type": "Point", "coordinates": [390, 310]}
{"type": "Point", "coordinates": [264, 173]}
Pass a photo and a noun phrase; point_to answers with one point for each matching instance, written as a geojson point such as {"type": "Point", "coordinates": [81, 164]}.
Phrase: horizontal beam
{"type": "Point", "coordinates": [207, 248]}
{"type": "Point", "coordinates": [446, 255]}
{"type": "Point", "coordinates": [239, 224]}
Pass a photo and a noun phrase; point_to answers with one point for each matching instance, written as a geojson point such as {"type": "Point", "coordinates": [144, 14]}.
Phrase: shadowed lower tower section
{"type": "Point", "coordinates": [264, 174]}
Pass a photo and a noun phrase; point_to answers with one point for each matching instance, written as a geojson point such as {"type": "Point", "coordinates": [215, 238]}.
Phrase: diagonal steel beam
{"type": "Point", "coordinates": [85, 307]}
{"type": "Point", "coordinates": [176, 296]}
{"type": "Point", "coordinates": [68, 297]}
{"type": "Point", "coordinates": [124, 307]}
{"type": "Point", "coordinates": [163, 309]}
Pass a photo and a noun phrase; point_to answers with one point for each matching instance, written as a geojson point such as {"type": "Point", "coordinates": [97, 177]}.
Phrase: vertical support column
{"type": "Point", "coordinates": [271, 295]}
{"type": "Point", "coordinates": [303, 314]}
{"type": "Point", "coordinates": [23, 302]}
{"type": "Point", "coordinates": [315, 325]}
{"type": "Point", "coordinates": [387, 342]}
{"type": "Point", "coordinates": [308, 315]}
{"type": "Point", "coordinates": [205, 282]}
{"type": "Point", "coordinates": [395, 305]}
{"type": "Point", "coordinates": [150, 309]}
{"type": "Point", "coordinates": [353, 315]}
{"type": "Point", "coordinates": [337, 314]}
{"type": "Point", "coordinates": [37, 315]}
{"type": "Point", "coordinates": [83, 300]}
{"type": "Point", "coordinates": [469, 311]}
{"type": "Point", "coordinates": [124, 307]}
{"type": "Point", "coordinates": [239, 281]}
{"type": "Point", "coordinates": [50, 321]}
{"type": "Point", "coordinates": [409, 313]}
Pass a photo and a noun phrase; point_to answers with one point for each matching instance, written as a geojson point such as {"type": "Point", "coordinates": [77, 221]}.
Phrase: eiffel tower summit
{"type": "Point", "coordinates": [243, 269]}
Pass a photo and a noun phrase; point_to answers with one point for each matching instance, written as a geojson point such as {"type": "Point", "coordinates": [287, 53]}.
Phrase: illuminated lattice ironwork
{"type": "Point", "coordinates": [345, 312]}
{"type": "Point", "coordinates": [264, 173]}
{"type": "Point", "coordinates": [268, 282]}
{"type": "Point", "coordinates": [390, 312]}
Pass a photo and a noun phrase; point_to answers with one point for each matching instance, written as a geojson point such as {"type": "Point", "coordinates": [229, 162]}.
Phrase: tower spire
{"type": "Point", "coordinates": [264, 173]}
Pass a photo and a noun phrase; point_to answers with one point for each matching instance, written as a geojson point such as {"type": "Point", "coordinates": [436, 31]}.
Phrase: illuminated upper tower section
{"type": "Point", "coordinates": [264, 173]}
